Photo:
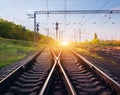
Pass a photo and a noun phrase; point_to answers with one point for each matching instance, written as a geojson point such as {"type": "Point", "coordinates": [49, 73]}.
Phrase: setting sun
{"type": "Point", "coordinates": [64, 43]}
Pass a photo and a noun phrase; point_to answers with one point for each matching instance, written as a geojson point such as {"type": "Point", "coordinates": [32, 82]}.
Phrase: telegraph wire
{"type": "Point", "coordinates": [95, 14]}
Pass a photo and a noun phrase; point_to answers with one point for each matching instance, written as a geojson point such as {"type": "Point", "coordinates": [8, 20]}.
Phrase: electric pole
{"type": "Point", "coordinates": [57, 30]}
{"type": "Point", "coordinates": [80, 35]}
{"type": "Point", "coordinates": [35, 34]}
{"type": "Point", "coordinates": [34, 17]}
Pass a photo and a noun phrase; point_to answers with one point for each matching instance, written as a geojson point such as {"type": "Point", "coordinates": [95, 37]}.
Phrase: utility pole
{"type": "Point", "coordinates": [47, 32]}
{"type": "Point", "coordinates": [56, 30]}
{"type": "Point", "coordinates": [47, 18]}
{"type": "Point", "coordinates": [80, 35]}
{"type": "Point", "coordinates": [65, 13]}
{"type": "Point", "coordinates": [33, 16]}
{"type": "Point", "coordinates": [59, 35]}
{"type": "Point", "coordinates": [35, 34]}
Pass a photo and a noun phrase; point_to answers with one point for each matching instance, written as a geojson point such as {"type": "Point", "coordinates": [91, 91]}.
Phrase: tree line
{"type": "Point", "coordinates": [13, 31]}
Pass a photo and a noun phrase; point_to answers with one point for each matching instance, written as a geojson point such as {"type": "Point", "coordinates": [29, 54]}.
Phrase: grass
{"type": "Point", "coordinates": [95, 55]}
{"type": "Point", "coordinates": [87, 52]}
{"type": "Point", "coordinates": [14, 50]}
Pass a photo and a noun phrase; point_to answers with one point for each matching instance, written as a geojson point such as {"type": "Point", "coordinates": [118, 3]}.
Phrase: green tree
{"type": "Point", "coordinates": [13, 31]}
{"type": "Point", "coordinates": [95, 40]}
{"type": "Point", "coordinates": [95, 36]}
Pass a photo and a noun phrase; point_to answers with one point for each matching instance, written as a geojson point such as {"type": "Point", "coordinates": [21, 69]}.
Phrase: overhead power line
{"type": "Point", "coordinates": [104, 4]}
{"type": "Point", "coordinates": [78, 12]}
{"type": "Point", "coordinates": [99, 9]}
{"type": "Point", "coordinates": [68, 12]}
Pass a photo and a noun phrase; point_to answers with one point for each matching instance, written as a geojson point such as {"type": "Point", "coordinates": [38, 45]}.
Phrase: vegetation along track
{"type": "Point", "coordinates": [67, 75]}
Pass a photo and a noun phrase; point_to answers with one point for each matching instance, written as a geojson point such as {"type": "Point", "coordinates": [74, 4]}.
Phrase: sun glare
{"type": "Point", "coordinates": [64, 43]}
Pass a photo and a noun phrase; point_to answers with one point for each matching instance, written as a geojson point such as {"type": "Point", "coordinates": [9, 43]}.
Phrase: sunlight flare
{"type": "Point", "coordinates": [64, 43]}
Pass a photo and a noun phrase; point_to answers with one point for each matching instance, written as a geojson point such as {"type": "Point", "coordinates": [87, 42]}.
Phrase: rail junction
{"type": "Point", "coordinates": [58, 71]}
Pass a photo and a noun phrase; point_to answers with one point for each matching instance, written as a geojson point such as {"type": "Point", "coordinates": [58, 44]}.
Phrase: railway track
{"type": "Point", "coordinates": [85, 77]}
{"type": "Point", "coordinates": [61, 72]}
{"type": "Point", "coordinates": [30, 80]}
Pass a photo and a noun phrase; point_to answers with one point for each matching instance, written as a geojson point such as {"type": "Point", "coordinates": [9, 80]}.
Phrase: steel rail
{"type": "Point", "coordinates": [57, 61]}
{"type": "Point", "coordinates": [26, 61]}
{"type": "Point", "coordinates": [103, 75]}
{"type": "Point", "coordinates": [43, 89]}
{"type": "Point", "coordinates": [57, 57]}
{"type": "Point", "coordinates": [71, 89]}
{"type": "Point", "coordinates": [42, 92]}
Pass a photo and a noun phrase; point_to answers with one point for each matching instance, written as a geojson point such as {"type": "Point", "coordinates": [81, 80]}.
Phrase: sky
{"type": "Point", "coordinates": [107, 26]}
